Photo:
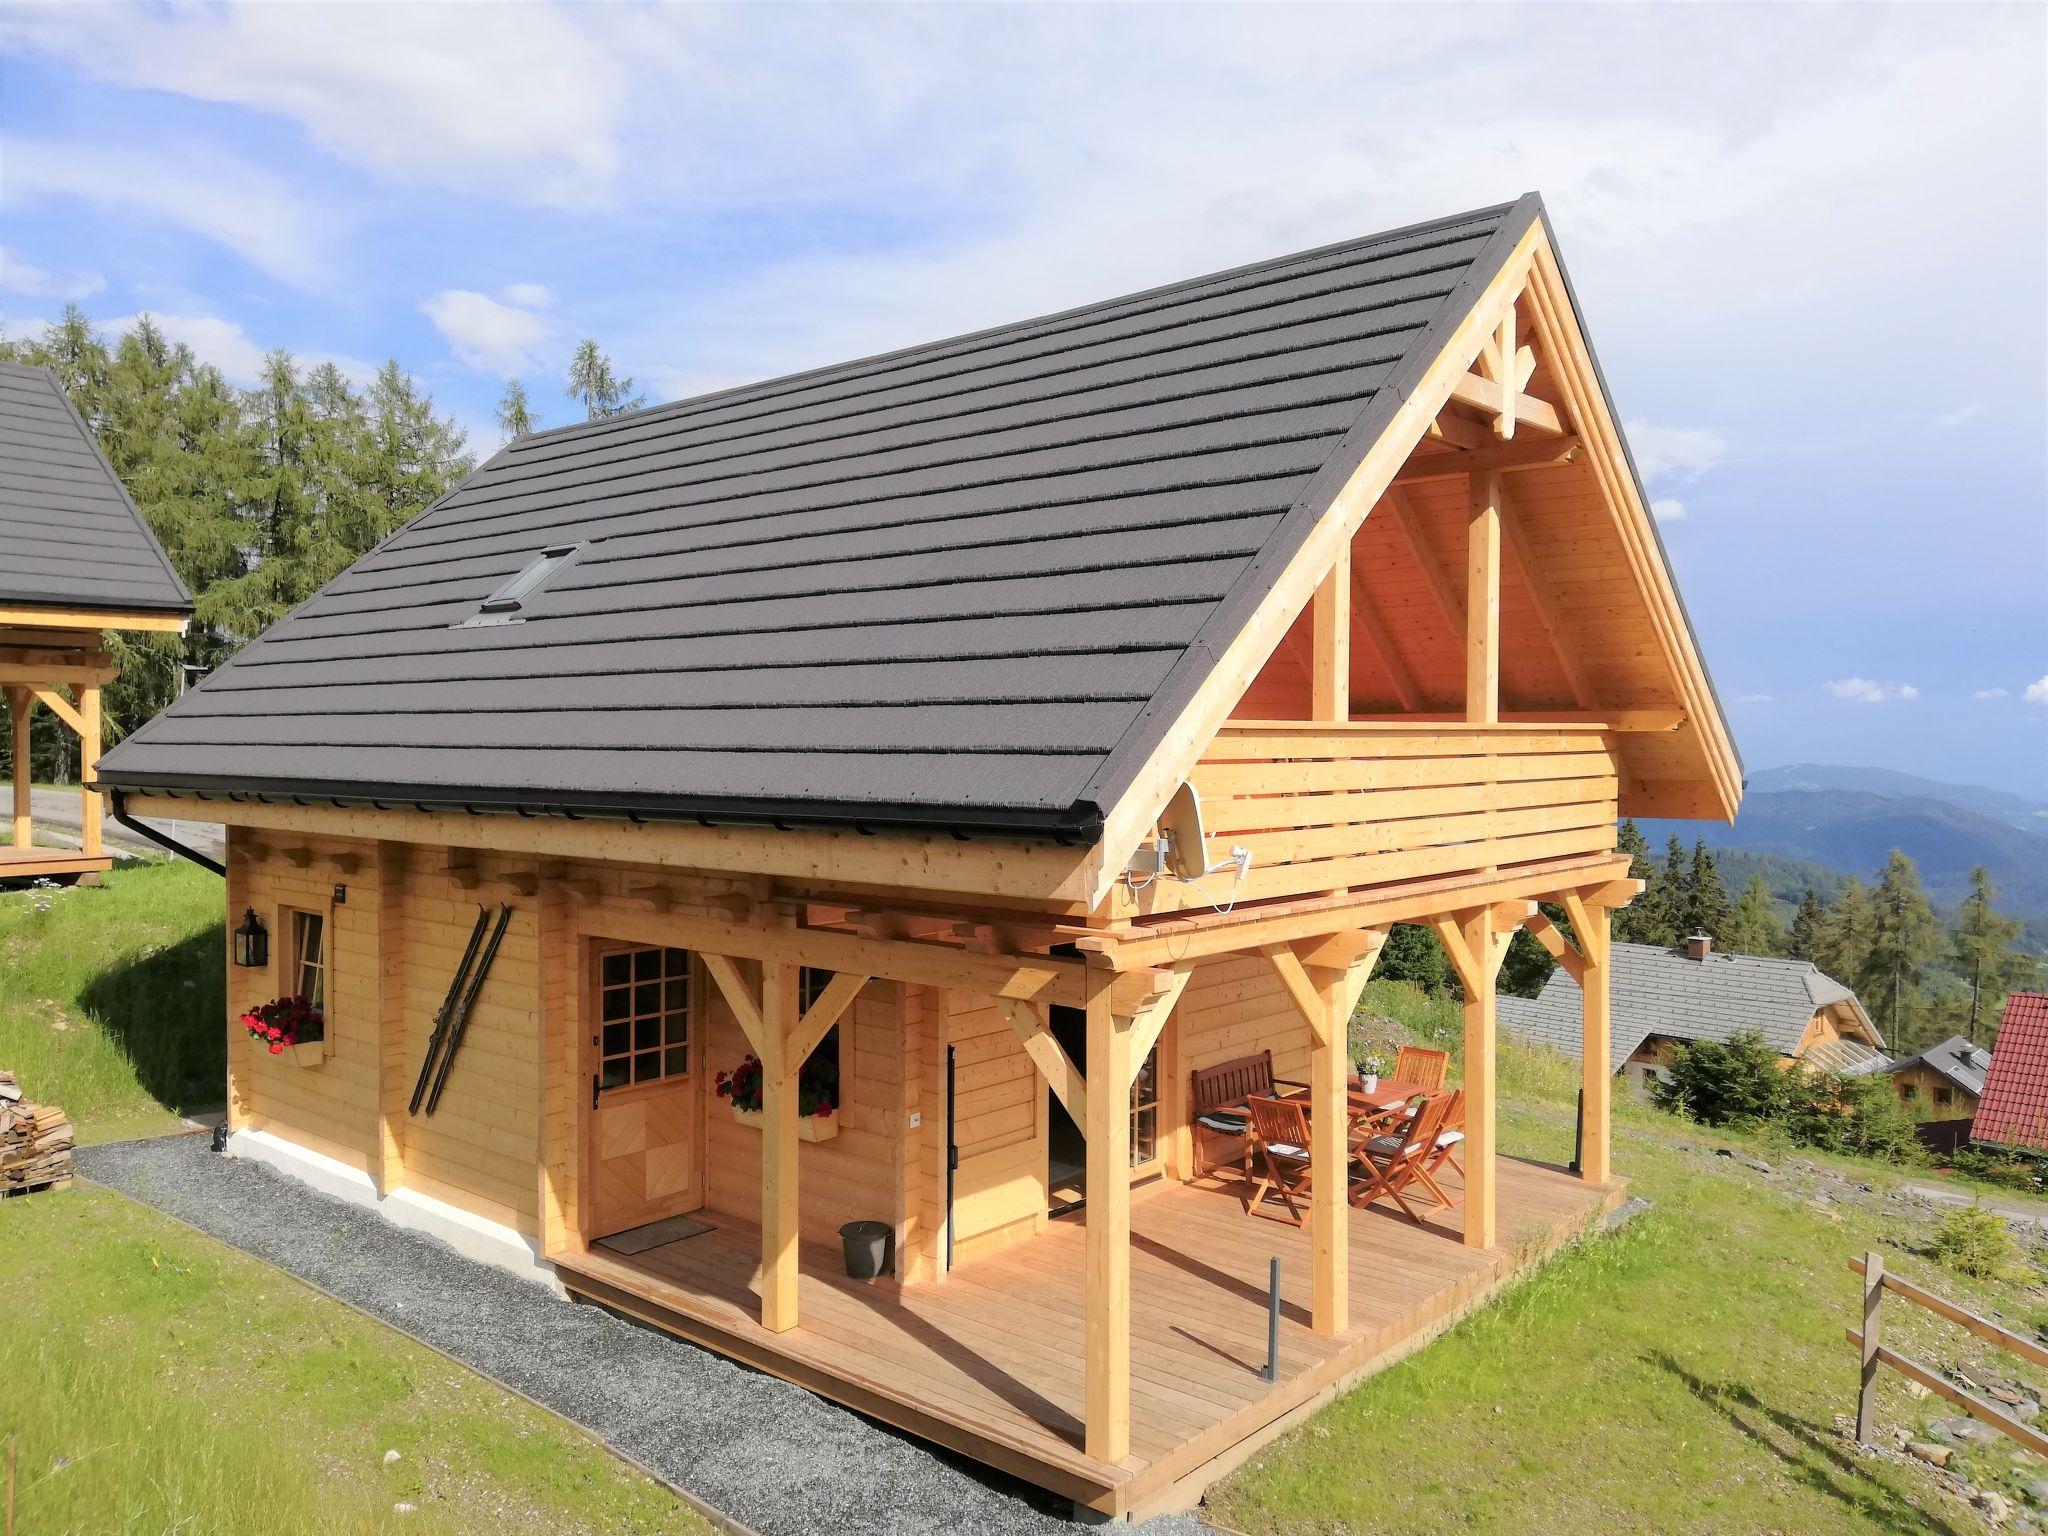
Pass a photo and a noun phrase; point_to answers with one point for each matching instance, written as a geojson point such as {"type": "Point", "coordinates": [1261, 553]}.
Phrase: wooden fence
{"type": "Point", "coordinates": [1870, 1341]}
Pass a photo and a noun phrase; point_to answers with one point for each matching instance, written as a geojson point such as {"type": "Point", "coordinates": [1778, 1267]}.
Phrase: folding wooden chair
{"type": "Point", "coordinates": [1426, 1069]}
{"type": "Point", "coordinates": [1450, 1136]}
{"type": "Point", "coordinates": [1388, 1163]}
{"type": "Point", "coordinates": [1280, 1154]}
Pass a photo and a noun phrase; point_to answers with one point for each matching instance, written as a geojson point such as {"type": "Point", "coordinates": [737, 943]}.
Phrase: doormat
{"type": "Point", "coordinates": [639, 1239]}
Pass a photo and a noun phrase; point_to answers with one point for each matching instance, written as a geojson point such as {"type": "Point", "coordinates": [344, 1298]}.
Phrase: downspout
{"type": "Point", "coordinates": [162, 840]}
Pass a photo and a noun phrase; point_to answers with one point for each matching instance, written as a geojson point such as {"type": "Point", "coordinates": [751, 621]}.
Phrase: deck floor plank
{"type": "Point", "coordinates": [990, 1360]}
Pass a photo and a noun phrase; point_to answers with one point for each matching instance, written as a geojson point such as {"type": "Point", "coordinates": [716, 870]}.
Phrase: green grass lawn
{"type": "Point", "coordinates": [112, 997]}
{"type": "Point", "coordinates": [158, 1381]}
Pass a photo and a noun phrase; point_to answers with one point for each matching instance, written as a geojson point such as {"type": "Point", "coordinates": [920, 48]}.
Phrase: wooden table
{"type": "Point", "coordinates": [1362, 1108]}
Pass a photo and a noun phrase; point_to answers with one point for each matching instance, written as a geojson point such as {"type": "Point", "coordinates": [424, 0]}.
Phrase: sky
{"type": "Point", "coordinates": [1811, 244]}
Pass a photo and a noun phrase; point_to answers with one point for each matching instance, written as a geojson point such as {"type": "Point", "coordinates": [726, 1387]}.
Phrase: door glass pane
{"type": "Point", "coordinates": [644, 1016]}
{"type": "Point", "coordinates": [1145, 1110]}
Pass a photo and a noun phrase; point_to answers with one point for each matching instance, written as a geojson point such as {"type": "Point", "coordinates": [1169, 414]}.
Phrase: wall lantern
{"type": "Point", "coordinates": [252, 941]}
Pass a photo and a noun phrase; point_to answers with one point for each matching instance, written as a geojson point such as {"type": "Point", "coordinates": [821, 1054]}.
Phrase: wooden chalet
{"type": "Point", "coordinates": [76, 560]}
{"type": "Point", "coordinates": [1031, 720]}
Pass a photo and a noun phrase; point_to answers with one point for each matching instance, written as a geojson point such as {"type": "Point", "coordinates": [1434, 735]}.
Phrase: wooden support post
{"type": "Point", "coordinates": [392, 1086]}
{"type": "Point", "coordinates": [1329, 1223]}
{"type": "Point", "coordinates": [779, 993]}
{"type": "Point", "coordinates": [88, 769]}
{"type": "Point", "coordinates": [1591, 924]}
{"type": "Point", "coordinates": [1482, 602]}
{"type": "Point", "coordinates": [1330, 675]}
{"type": "Point", "coordinates": [1107, 1288]}
{"type": "Point", "coordinates": [1477, 942]}
{"type": "Point", "coordinates": [1873, 1301]}
{"type": "Point", "coordinates": [20, 703]}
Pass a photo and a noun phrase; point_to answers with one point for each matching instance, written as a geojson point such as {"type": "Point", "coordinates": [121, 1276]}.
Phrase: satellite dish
{"type": "Point", "coordinates": [1187, 841]}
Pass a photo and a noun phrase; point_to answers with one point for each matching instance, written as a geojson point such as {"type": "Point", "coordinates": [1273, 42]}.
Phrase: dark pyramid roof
{"type": "Point", "coordinates": [968, 584]}
{"type": "Point", "coordinates": [69, 535]}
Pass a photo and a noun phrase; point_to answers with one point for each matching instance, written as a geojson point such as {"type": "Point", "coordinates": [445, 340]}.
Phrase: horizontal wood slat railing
{"type": "Point", "coordinates": [1330, 807]}
{"type": "Point", "coordinates": [1869, 1342]}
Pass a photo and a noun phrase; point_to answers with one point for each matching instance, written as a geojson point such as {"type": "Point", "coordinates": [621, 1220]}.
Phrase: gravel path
{"type": "Point", "coordinates": [769, 1455]}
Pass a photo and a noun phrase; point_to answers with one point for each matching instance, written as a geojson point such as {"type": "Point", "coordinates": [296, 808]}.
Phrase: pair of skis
{"type": "Point", "coordinates": [453, 1018]}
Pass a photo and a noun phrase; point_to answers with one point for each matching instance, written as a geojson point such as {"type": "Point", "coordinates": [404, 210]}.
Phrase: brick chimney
{"type": "Point", "coordinates": [1699, 946]}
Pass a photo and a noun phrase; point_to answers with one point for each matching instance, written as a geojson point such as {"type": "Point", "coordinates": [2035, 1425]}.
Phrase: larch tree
{"type": "Point", "coordinates": [1753, 926]}
{"type": "Point", "coordinates": [515, 416]}
{"type": "Point", "coordinates": [1846, 936]}
{"type": "Point", "coordinates": [593, 384]}
{"type": "Point", "coordinates": [1904, 936]}
{"type": "Point", "coordinates": [1986, 955]}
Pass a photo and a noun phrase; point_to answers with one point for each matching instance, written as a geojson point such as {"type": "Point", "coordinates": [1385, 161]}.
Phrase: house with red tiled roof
{"type": "Point", "coordinates": [2014, 1109]}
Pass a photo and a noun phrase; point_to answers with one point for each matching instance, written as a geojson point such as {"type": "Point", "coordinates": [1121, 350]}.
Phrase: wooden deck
{"type": "Point", "coordinates": [50, 863]}
{"type": "Point", "coordinates": [989, 1361]}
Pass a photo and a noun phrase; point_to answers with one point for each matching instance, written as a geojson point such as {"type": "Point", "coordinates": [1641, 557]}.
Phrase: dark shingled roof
{"type": "Point", "coordinates": [1956, 1059]}
{"type": "Point", "coordinates": [1658, 991]}
{"type": "Point", "coordinates": [972, 584]}
{"type": "Point", "coordinates": [69, 535]}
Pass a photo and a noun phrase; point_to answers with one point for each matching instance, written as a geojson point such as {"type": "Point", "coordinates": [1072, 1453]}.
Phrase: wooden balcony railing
{"type": "Point", "coordinates": [1335, 807]}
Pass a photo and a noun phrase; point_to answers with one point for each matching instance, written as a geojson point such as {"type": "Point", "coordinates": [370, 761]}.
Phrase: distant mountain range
{"type": "Point", "coordinates": [1814, 823]}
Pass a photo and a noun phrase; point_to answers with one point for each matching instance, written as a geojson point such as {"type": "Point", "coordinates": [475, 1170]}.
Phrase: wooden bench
{"type": "Point", "coordinates": [1216, 1097]}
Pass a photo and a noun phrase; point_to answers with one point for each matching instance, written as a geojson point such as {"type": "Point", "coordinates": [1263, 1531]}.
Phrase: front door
{"type": "Point", "coordinates": [644, 1161]}
{"type": "Point", "coordinates": [1067, 1145]}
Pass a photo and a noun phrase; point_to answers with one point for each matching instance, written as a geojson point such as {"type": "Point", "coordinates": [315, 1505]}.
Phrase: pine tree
{"type": "Point", "coordinates": [1808, 927]}
{"type": "Point", "coordinates": [1413, 954]}
{"type": "Point", "coordinates": [515, 420]}
{"type": "Point", "coordinates": [1707, 908]}
{"type": "Point", "coordinates": [1985, 958]}
{"type": "Point", "coordinates": [1904, 936]}
{"type": "Point", "coordinates": [1753, 926]}
{"type": "Point", "coordinates": [415, 456]}
{"type": "Point", "coordinates": [592, 382]}
{"type": "Point", "coordinates": [1638, 922]}
{"type": "Point", "coordinates": [1666, 899]}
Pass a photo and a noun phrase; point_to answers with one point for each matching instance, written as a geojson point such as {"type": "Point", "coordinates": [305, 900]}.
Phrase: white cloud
{"type": "Point", "coordinates": [20, 275]}
{"type": "Point", "coordinates": [1668, 509]}
{"type": "Point", "coordinates": [1753, 698]}
{"type": "Point", "coordinates": [1683, 453]}
{"type": "Point", "coordinates": [2037, 693]}
{"type": "Point", "coordinates": [507, 99]}
{"type": "Point", "coordinates": [489, 336]}
{"type": "Point", "coordinates": [1863, 690]}
{"type": "Point", "coordinates": [529, 295]}
{"type": "Point", "coordinates": [1948, 421]}
{"type": "Point", "coordinates": [1990, 693]}
{"type": "Point", "coordinates": [230, 348]}
{"type": "Point", "coordinates": [232, 204]}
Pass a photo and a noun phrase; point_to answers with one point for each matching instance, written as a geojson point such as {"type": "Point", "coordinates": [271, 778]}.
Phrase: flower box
{"type": "Point", "coordinates": [808, 1127]}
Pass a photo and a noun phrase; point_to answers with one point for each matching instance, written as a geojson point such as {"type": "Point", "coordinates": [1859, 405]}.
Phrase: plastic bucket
{"type": "Point", "coordinates": [867, 1248]}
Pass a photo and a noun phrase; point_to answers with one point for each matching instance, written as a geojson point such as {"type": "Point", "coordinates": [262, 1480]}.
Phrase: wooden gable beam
{"type": "Point", "coordinates": [1382, 642]}
{"type": "Point", "coordinates": [59, 706]}
{"type": "Point", "coordinates": [1488, 395]}
{"type": "Point", "coordinates": [1522, 453]}
{"type": "Point", "coordinates": [1308, 1002]}
{"type": "Point", "coordinates": [1441, 587]}
{"type": "Point", "coordinates": [1548, 614]}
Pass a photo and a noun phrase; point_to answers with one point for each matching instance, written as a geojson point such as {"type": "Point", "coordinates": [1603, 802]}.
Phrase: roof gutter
{"type": "Point", "coordinates": [1078, 824]}
{"type": "Point", "coordinates": [119, 801]}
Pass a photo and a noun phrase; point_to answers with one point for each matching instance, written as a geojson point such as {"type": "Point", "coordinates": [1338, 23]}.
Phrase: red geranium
{"type": "Point", "coordinates": [283, 1021]}
{"type": "Point", "coordinates": [817, 1086]}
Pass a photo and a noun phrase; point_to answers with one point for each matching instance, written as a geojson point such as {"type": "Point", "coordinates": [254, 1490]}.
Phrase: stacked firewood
{"type": "Point", "coordinates": [35, 1143]}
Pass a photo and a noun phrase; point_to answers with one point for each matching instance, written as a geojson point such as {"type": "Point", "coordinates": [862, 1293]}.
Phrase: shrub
{"type": "Point", "coordinates": [1719, 1083]}
{"type": "Point", "coordinates": [1973, 1241]}
{"type": "Point", "coordinates": [2015, 1173]}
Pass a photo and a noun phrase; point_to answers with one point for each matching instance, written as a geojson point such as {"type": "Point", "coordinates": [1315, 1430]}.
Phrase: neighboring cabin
{"type": "Point", "coordinates": [2014, 1109]}
{"type": "Point", "coordinates": [76, 560]}
{"type": "Point", "coordinates": [1020, 724]}
{"type": "Point", "coordinates": [1943, 1082]}
{"type": "Point", "coordinates": [1667, 997]}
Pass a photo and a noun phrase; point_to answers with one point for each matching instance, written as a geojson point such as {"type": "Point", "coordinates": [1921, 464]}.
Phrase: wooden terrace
{"type": "Point", "coordinates": [989, 1362]}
